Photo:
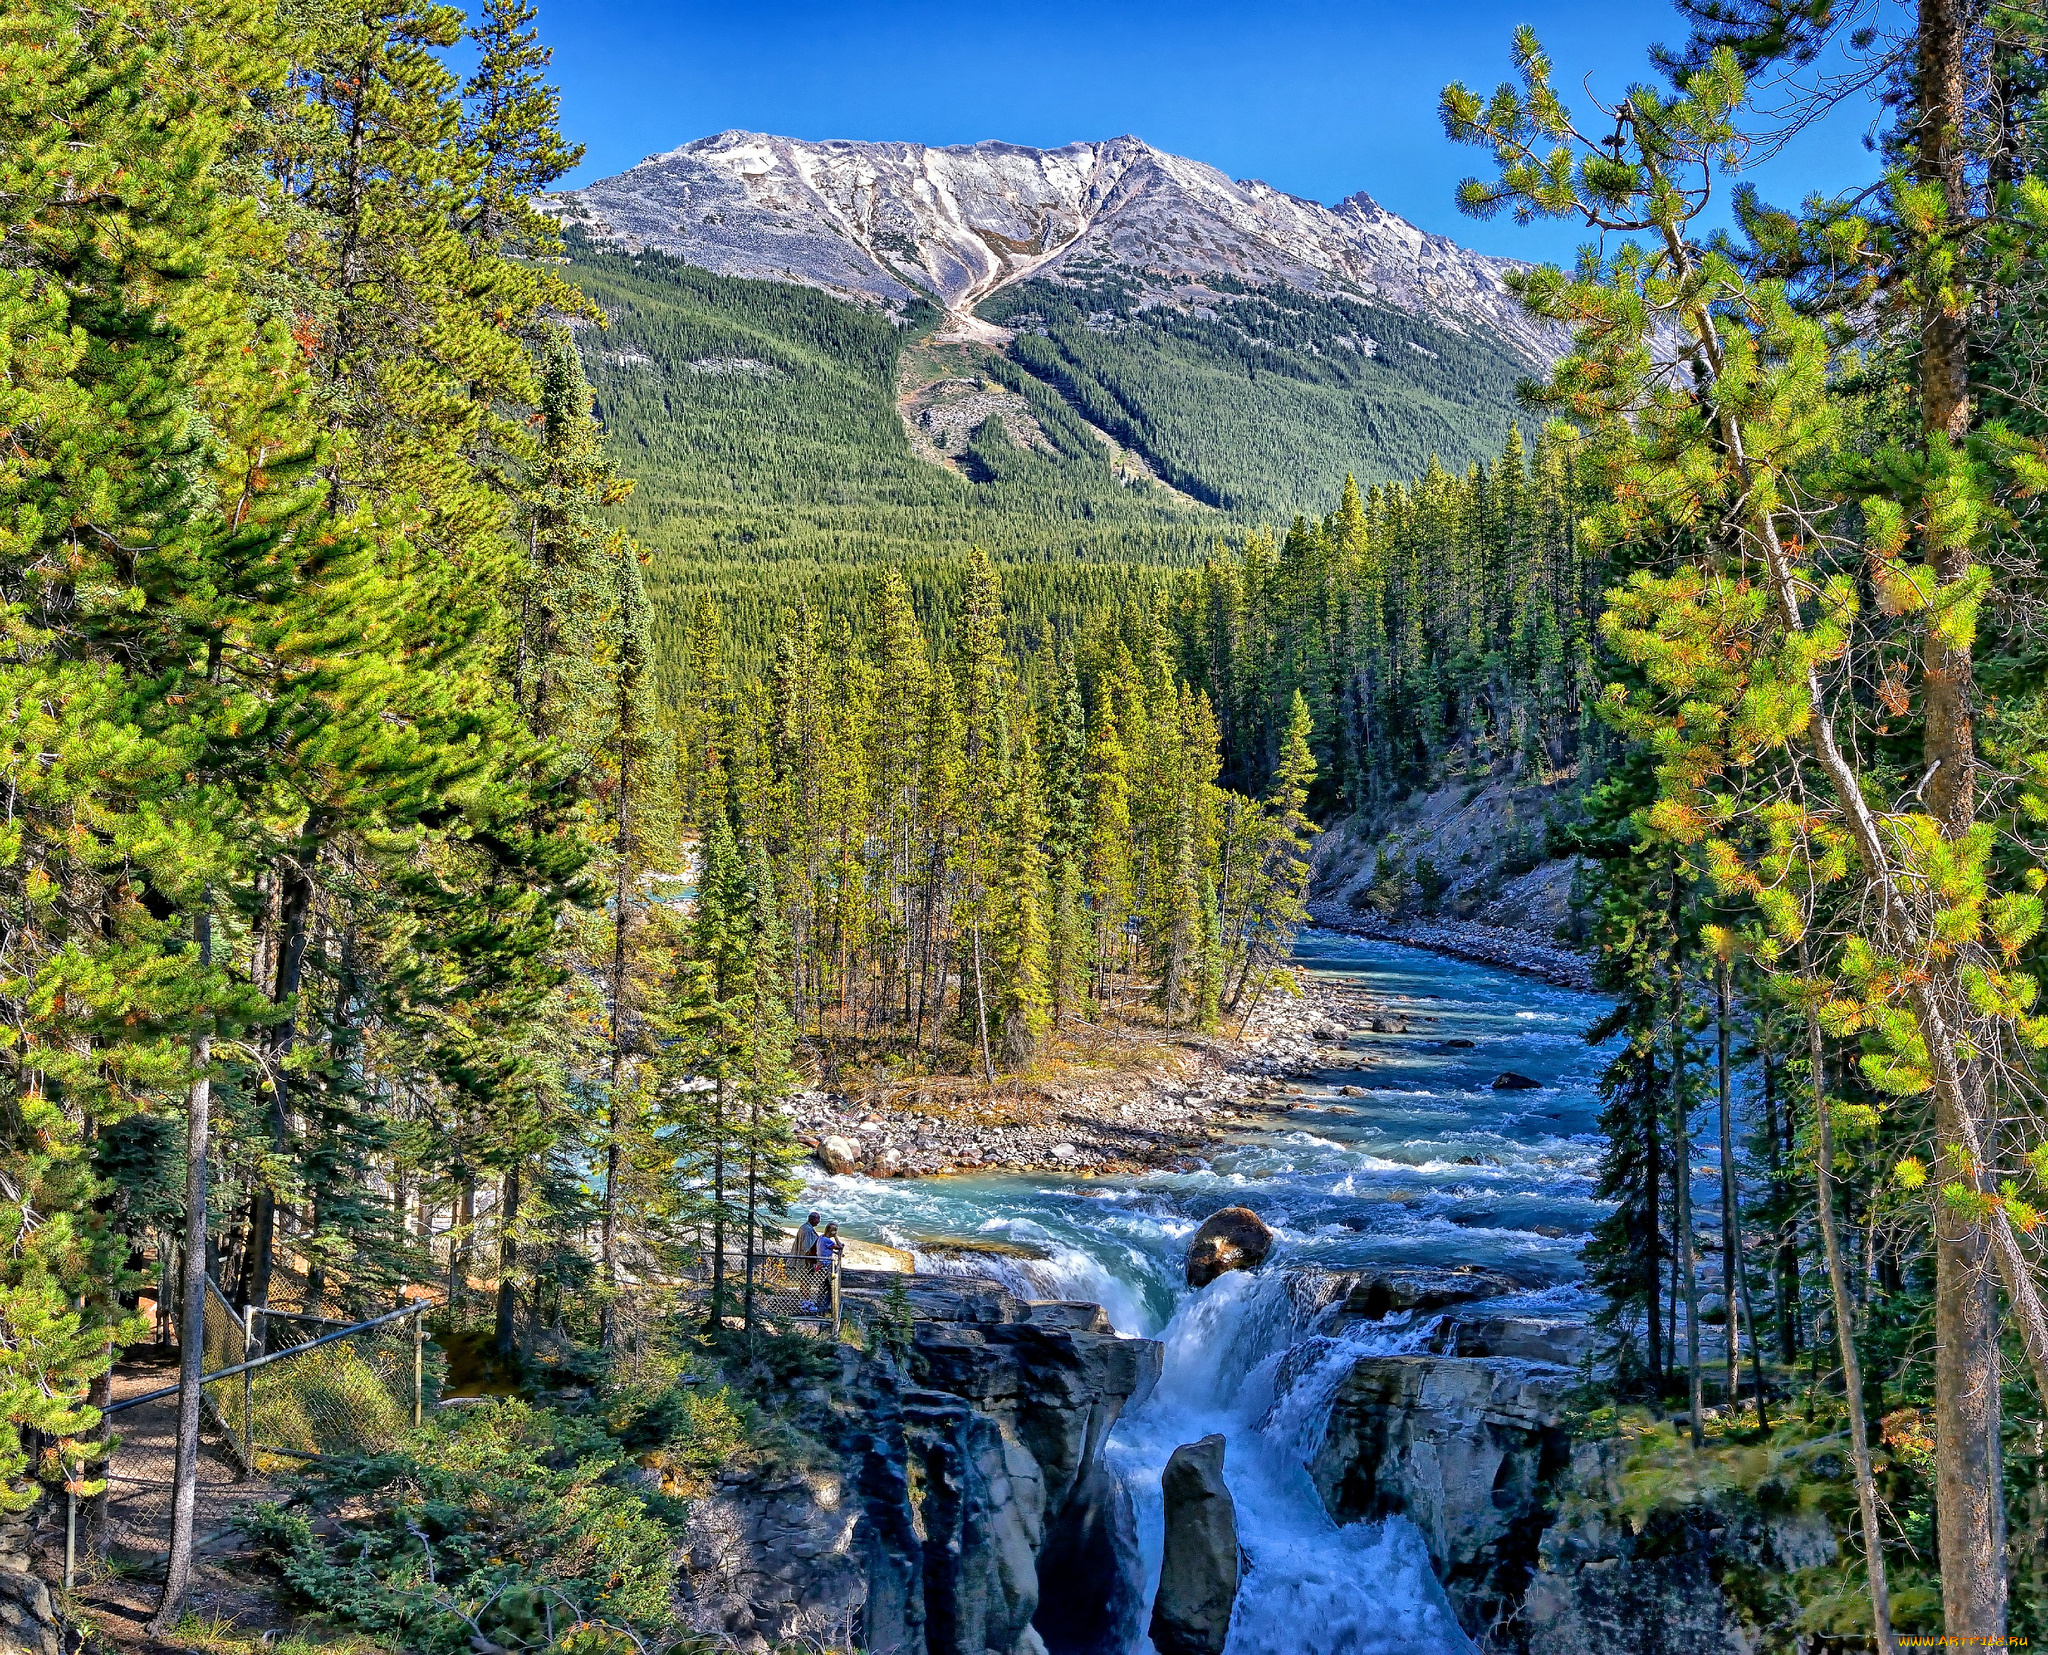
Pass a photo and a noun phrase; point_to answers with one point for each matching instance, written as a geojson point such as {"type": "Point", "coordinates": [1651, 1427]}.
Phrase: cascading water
{"type": "Point", "coordinates": [1234, 1364]}
{"type": "Point", "coordinates": [1429, 1165]}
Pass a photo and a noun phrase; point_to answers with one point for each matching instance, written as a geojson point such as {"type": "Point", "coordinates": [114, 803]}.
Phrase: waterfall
{"type": "Point", "coordinates": [1401, 1156]}
{"type": "Point", "coordinates": [1246, 1357]}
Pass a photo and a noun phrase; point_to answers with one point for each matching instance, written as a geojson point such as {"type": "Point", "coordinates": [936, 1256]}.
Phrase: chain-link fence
{"type": "Point", "coordinates": [308, 1385]}
{"type": "Point", "coordinates": [319, 1388]}
{"type": "Point", "coordinates": [794, 1289]}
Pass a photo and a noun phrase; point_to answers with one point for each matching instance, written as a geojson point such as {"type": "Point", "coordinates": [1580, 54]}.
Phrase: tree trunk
{"type": "Point", "coordinates": [1852, 1371]}
{"type": "Point", "coordinates": [615, 1115]}
{"type": "Point", "coordinates": [1733, 1353]}
{"type": "Point", "coordinates": [1682, 1172]}
{"type": "Point", "coordinates": [747, 1305]}
{"type": "Point", "coordinates": [717, 1317]}
{"type": "Point", "coordinates": [191, 1321]}
{"type": "Point", "coordinates": [1734, 1266]}
{"type": "Point", "coordinates": [1785, 1270]}
{"type": "Point", "coordinates": [296, 903]}
{"type": "Point", "coordinates": [1653, 1199]}
{"type": "Point", "coordinates": [988, 1068]}
{"type": "Point", "coordinates": [1687, 1265]}
{"type": "Point", "coordinates": [505, 1336]}
{"type": "Point", "coordinates": [1970, 1519]}
{"type": "Point", "coordinates": [460, 1242]}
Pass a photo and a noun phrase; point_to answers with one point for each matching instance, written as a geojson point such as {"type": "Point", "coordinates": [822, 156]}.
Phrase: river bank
{"type": "Point", "coordinates": [1162, 1107]}
{"type": "Point", "coordinates": [1503, 946]}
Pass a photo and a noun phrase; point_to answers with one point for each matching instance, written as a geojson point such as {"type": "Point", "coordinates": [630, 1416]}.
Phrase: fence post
{"type": "Point", "coordinates": [419, 1349]}
{"type": "Point", "coordinates": [248, 1394]}
{"type": "Point", "coordinates": [835, 1292]}
{"type": "Point", "coordinates": [70, 1533]}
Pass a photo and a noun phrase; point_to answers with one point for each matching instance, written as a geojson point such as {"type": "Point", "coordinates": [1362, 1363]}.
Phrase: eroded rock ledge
{"type": "Point", "coordinates": [954, 1472]}
{"type": "Point", "coordinates": [1550, 1541]}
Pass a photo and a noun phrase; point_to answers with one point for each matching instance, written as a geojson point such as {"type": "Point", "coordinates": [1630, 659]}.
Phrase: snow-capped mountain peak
{"type": "Point", "coordinates": [888, 222]}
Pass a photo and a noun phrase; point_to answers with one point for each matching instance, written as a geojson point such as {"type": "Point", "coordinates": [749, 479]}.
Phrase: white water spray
{"type": "Point", "coordinates": [1245, 1357]}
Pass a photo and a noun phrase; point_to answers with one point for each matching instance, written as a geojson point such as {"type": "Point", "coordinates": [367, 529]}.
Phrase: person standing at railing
{"type": "Point", "coordinates": [806, 1243]}
{"type": "Point", "coordinates": [830, 1247]}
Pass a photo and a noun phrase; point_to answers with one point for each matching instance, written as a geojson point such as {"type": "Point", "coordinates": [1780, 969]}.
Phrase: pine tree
{"type": "Point", "coordinates": [1110, 884]}
{"type": "Point", "coordinates": [1065, 763]}
{"type": "Point", "coordinates": [1627, 1252]}
{"type": "Point", "coordinates": [703, 1057]}
{"type": "Point", "coordinates": [1017, 907]}
{"type": "Point", "coordinates": [511, 131]}
{"type": "Point", "coordinates": [984, 773]}
{"type": "Point", "coordinates": [1275, 876]}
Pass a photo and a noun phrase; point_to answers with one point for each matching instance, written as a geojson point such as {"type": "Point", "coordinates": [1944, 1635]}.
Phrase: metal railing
{"type": "Point", "coordinates": [278, 1384]}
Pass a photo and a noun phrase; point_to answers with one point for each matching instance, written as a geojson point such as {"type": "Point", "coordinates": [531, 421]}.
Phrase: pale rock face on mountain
{"type": "Point", "coordinates": [889, 222]}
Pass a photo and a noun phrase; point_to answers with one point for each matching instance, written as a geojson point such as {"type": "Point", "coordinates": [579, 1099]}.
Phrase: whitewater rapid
{"type": "Point", "coordinates": [1424, 1164]}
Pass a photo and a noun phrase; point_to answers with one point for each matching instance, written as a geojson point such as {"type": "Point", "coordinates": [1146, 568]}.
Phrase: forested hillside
{"type": "Point", "coordinates": [1447, 623]}
{"type": "Point", "coordinates": [759, 422]}
{"type": "Point", "coordinates": [1251, 399]}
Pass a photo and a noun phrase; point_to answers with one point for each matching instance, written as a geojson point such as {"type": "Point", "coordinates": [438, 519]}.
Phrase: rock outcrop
{"type": "Point", "coordinates": [30, 1621]}
{"type": "Point", "coordinates": [837, 1154]}
{"type": "Point", "coordinates": [1234, 1239]}
{"type": "Point", "coordinates": [1708, 1572]}
{"type": "Point", "coordinates": [1546, 1545]}
{"type": "Point", "coordinates": [1466, 1449]}
{"type": "Point", "coordinates": [1198, 1567]}
{"type": "Point", "coordinates": [767, 1558]}
{"type": "Point", "coordinates": [1374, 1295]}
{"type": "Point", "coordinates": [957, 1469]}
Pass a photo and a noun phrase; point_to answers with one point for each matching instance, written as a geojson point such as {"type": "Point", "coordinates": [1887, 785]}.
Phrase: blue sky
{"type": "Point", "coordinates": [1317, 99]}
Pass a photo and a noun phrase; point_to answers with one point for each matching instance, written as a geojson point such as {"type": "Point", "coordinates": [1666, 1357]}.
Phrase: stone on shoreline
{"type": "Point", "coordinates": [837, 1154]}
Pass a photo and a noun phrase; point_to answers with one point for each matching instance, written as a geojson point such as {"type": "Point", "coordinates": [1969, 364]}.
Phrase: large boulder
{"type": "Point", "coordinates": [1198, 1570]}
{"type": "Point", "coordinates": [1234, 1239]}
{"type": "Point", "coordinates": [837, 1154]}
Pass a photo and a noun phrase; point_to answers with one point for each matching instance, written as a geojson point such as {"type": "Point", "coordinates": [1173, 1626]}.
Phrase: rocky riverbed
{"type": "Point", "coordinates": [1164, 1112]}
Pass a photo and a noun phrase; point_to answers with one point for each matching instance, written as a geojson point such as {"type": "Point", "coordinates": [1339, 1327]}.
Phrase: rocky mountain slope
{"type": "Point", "coordinates": [894, 223]}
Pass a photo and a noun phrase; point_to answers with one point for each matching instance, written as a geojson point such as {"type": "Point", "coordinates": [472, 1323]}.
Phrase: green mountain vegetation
{"type": "Point", "coordinates": [1252, 402]}
{"type": "Point", "coordinates": [1448, 624]}
{"type": "Point", "coordinates": [760, 421]}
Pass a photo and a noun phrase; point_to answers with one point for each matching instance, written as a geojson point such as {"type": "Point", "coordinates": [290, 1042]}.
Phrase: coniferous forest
{"type": "Point", "coordinates": [435, 856]}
